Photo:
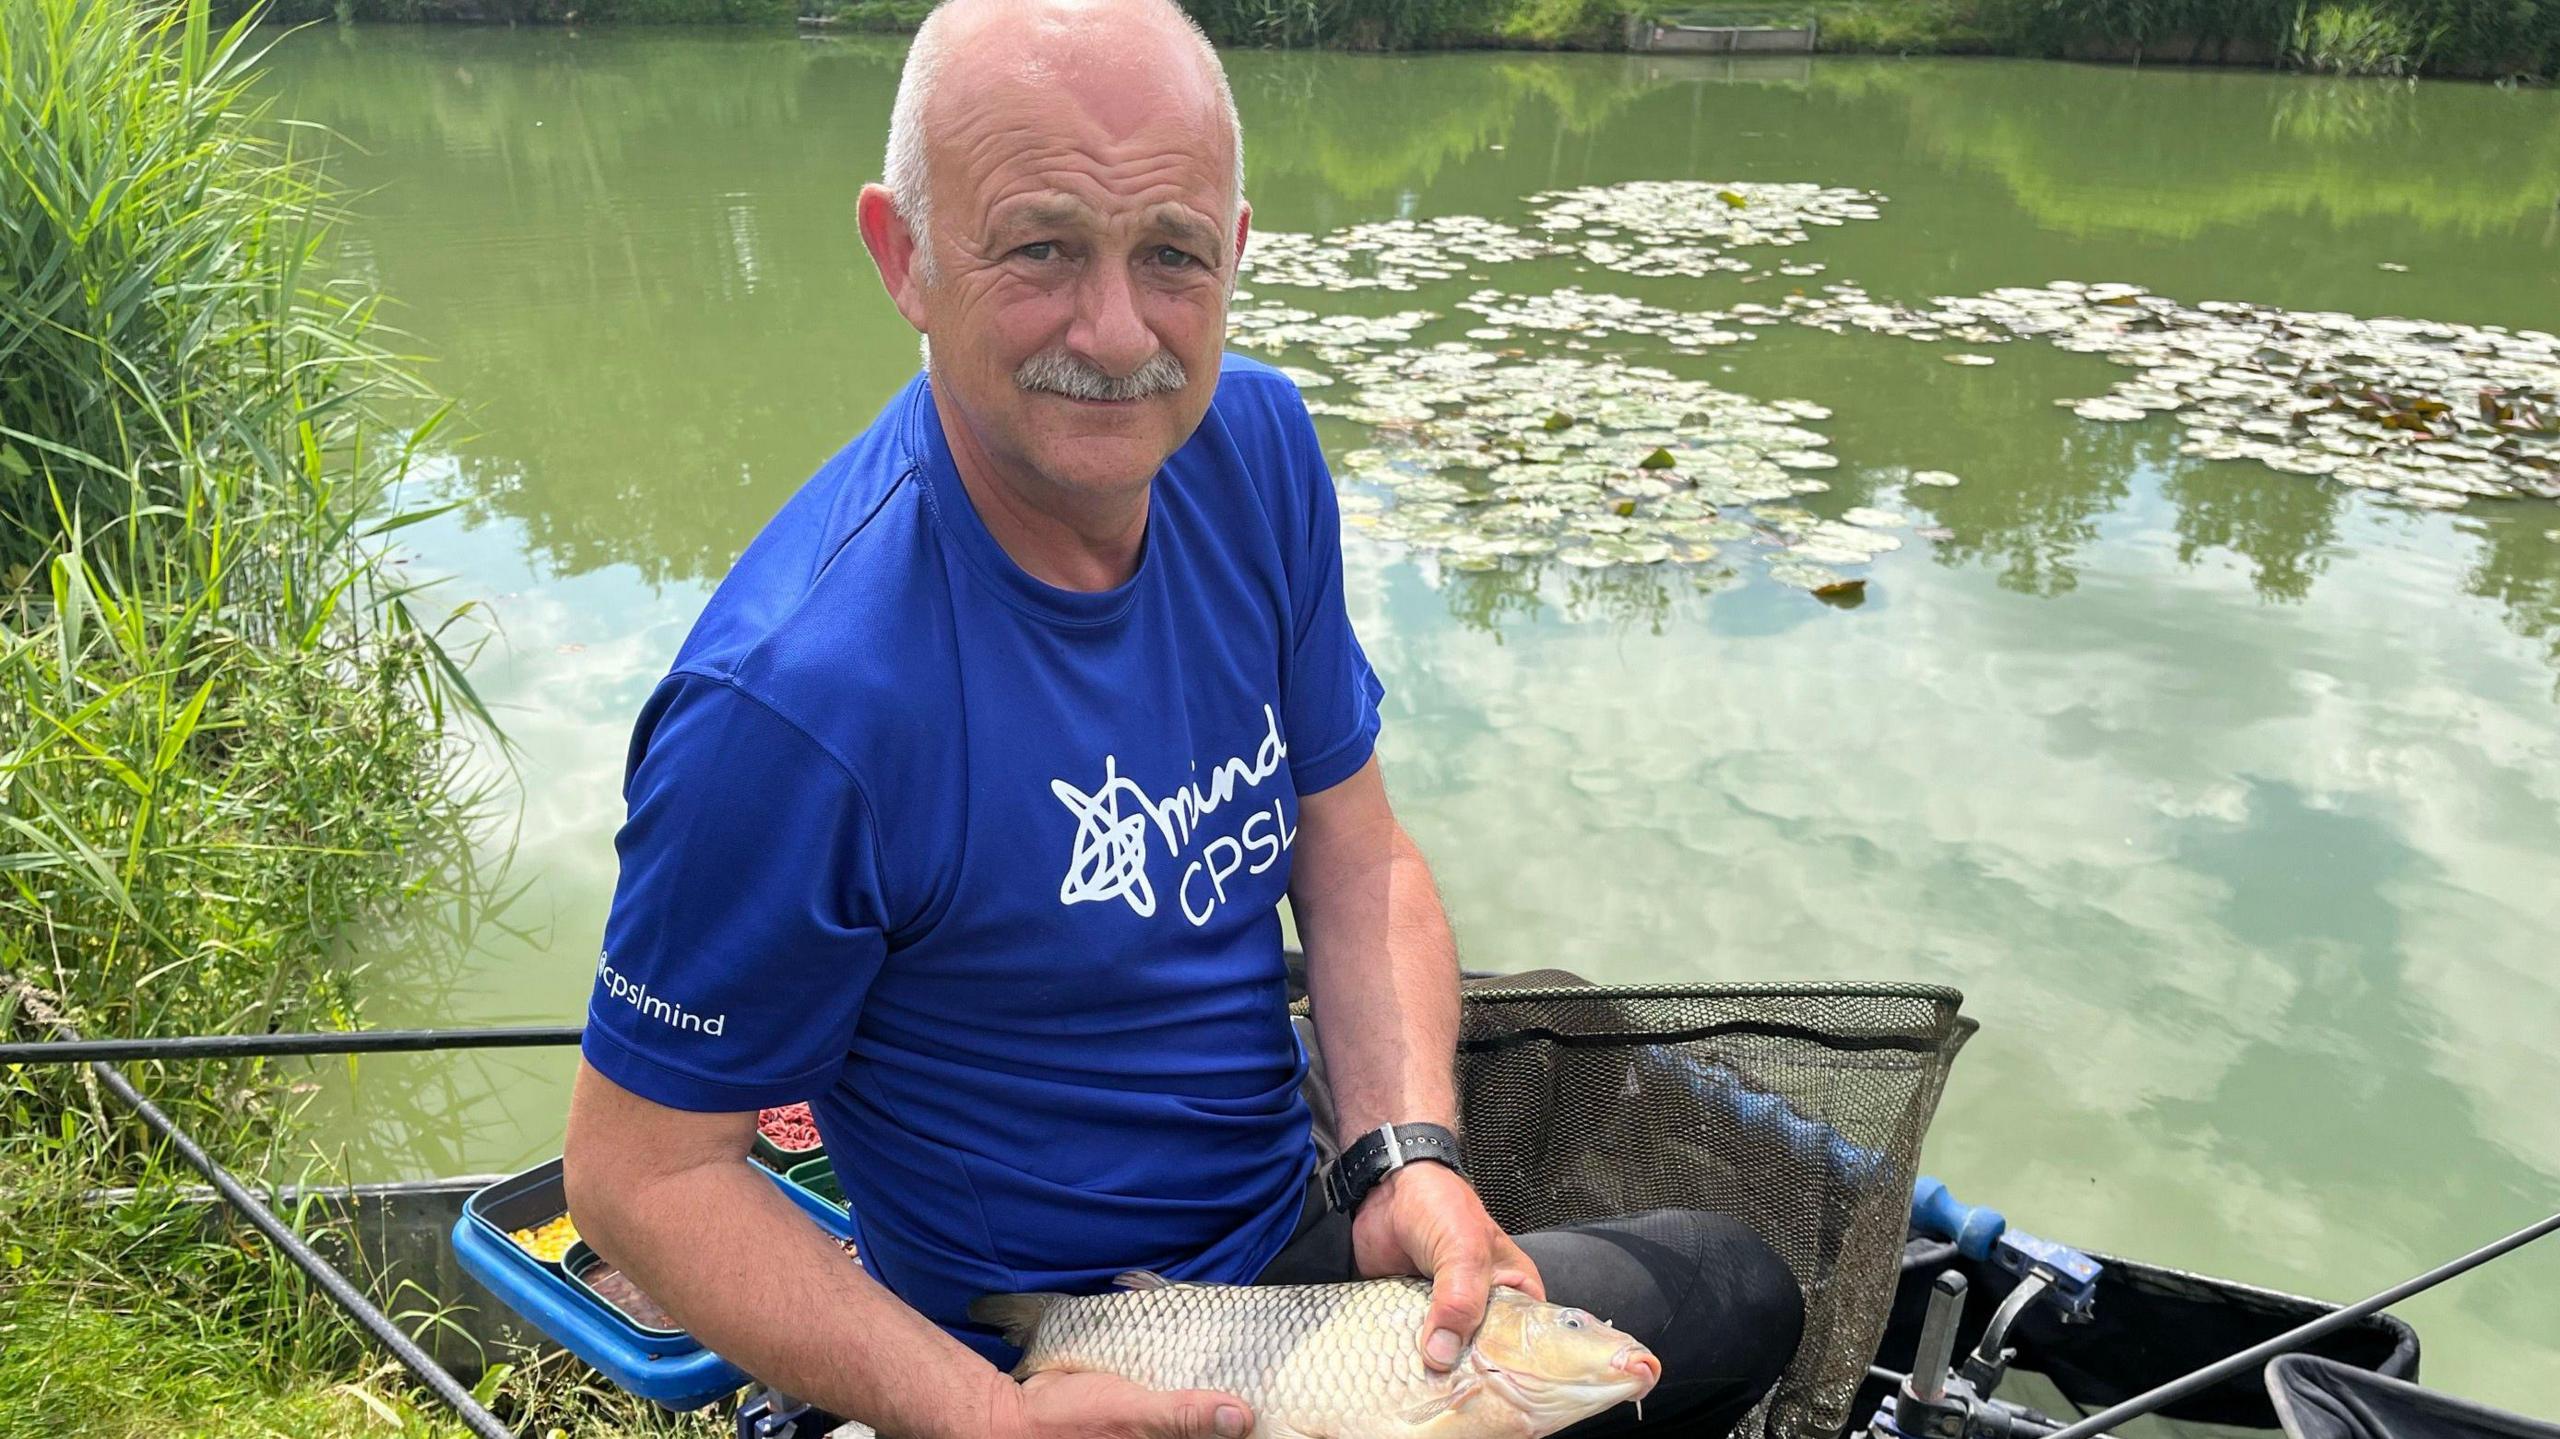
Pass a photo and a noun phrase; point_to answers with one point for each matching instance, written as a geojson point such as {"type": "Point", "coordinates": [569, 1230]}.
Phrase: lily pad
{"type": "Point", "coordinates": [2110, 410]}
{"type": "Point", "coordinates": [1803, 574]}
{"type": "Point", "coordinates": [2385, 404]}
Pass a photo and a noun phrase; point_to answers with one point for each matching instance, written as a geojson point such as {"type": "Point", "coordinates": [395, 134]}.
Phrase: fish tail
{"type": "Point", "coordinates": [1017, 1315]}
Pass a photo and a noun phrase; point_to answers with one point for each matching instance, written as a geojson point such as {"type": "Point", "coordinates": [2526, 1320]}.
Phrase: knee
{"type": "Point", "coordinates": [1747, 1292]}
{"type": "Point", "coordinates": [1767, 1304]}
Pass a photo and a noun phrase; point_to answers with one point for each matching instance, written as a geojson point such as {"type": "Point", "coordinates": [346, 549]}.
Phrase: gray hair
{"type": "Point", "coordinates": [903, 168]}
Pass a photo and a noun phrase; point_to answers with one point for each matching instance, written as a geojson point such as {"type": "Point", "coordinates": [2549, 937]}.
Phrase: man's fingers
{"type": "Point", "coordinates": [1200, 1414]}
{"type": "Point", "coordinates": [1457, 1307]}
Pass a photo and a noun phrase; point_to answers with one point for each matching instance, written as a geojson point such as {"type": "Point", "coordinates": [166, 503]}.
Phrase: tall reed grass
{"type": "Point", "coordinates": [2358, 39]}
{"type": "Point", "coordinates": [223, 716]}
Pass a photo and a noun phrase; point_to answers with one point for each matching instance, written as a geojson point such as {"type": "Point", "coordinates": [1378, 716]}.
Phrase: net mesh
{"type": "Point", "coordinates": [1797, 1109]}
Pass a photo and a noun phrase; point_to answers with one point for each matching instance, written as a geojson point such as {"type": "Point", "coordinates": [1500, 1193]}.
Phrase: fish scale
{"type": "Point", "coordinates": [1328, 1357]}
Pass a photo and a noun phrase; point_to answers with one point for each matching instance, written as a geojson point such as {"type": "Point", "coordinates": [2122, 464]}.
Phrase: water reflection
{"type": "Point", "coordinates": [630, 255]}
{"type": "Point", "coordinates": [2195, 150]}
{"type": "Point", "coordinates": [2519, 567]}
{"type": "Point", "coordinates": [2320, 1117]}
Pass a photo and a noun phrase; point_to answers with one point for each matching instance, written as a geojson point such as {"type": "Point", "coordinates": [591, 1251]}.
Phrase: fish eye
{"type": "Point", "coordinates": [1572, 1318]}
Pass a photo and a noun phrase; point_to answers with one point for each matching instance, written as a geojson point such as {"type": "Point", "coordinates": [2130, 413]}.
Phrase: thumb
{"type": "Point", "coordinates": [1457, 1308]}
{"type": "Point", "coordinates": [1197, 1414]}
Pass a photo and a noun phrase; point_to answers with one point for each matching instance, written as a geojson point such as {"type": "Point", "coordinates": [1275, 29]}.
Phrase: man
{"type": "Point", "coordinates": [967, 808]}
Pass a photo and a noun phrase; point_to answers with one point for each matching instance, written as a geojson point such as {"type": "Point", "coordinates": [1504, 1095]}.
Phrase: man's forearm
{"type": "Point", "coordinates": [755, 1281]}
{"type": "Point", "coordinates": [1382, 970]}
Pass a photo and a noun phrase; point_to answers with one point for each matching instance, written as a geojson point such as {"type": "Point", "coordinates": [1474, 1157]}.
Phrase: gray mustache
{"type": "Point", "coordinates": [1062, 373]}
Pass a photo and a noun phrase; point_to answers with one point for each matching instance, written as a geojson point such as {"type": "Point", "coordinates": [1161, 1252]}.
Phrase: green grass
{"type": "Point", "coordinates": [158, 1320]}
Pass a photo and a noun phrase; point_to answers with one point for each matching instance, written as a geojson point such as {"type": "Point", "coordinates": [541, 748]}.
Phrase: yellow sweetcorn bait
{"type": "Point", "coordinates": [550, 1240]}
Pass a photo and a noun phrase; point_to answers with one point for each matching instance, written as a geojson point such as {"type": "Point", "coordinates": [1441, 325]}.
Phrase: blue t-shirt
{"type": "Point", "coordinates": [987, 870]}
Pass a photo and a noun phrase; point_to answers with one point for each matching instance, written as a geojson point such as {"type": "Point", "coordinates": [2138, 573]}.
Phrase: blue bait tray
{"type": "Point", "coordinates": [670, 1369]}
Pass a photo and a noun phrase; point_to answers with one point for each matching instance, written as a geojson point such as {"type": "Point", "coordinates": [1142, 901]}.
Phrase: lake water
{"type": "Point", "coordinates": [2230, 798]}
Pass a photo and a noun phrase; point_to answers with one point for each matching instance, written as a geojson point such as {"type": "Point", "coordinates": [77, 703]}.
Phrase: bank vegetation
{"type": "Point", "coordinates": [2480, 39]}
{"type": "Point", "coordinates": [2487, 39]}
{"type": "Point", "coordinates": [227, 722]}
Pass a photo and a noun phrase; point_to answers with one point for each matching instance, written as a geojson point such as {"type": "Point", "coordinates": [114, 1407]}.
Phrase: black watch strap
{"type": "Point", "coordinates": [1381, 1152]}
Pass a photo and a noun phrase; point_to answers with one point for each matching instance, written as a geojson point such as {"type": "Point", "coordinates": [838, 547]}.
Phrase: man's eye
{"type": "Point", "coordinates": [1173, 259]}
{"type": "Point", "coordinates": [1039, 250]}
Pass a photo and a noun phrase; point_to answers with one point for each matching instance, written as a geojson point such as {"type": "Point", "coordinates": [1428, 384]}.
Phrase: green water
{"type": "Point", "coordinates": [2231, 799]}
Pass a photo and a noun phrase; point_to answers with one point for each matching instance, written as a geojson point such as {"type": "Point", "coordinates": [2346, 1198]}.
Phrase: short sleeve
{"type": "Point", "coordinates": [1330, 703]}
{"type": "Point", "coordinates": [745, 927]}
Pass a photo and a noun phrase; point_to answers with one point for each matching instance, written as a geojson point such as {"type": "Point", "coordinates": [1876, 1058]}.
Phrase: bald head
{"type": "Point", "coordinates": [1119, 60]}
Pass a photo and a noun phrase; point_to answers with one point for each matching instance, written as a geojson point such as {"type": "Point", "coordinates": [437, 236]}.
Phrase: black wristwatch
{"type": "Point", "coordinates": [1381, 1152]}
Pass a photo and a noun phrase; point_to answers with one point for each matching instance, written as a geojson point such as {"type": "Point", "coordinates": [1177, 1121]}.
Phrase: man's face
{"type": "Point", "coordinates": [1085, 228]}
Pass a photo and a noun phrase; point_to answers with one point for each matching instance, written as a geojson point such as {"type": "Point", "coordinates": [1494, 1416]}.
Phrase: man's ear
{"type": "Point", "coordinates": [894, 249]}
{"type": "Point", "coordinates": [1244, 226]}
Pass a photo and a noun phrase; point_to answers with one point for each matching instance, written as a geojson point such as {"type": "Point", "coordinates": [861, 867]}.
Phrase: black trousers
{"type": "Point", "coordinates": [1712, 1302]}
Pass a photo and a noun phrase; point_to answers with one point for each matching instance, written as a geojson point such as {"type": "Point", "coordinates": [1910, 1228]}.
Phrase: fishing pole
{"type": "Point", "coordinates": [438, 1380]}
{"type": "Point", "coordinates": [2211, 1374]}
{"type": "Point", "coordinates": [275, 1046]}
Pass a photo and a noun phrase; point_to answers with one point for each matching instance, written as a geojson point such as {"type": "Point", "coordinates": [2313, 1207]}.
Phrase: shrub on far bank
{"type": "Point", "coordinates": [2491, 39]}
{"type": "Point", "coordinates": [1908, 27]}
{"type": "Point", "coordinates": [1417, 24]}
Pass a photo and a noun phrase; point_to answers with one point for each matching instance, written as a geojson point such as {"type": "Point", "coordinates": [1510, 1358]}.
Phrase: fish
{"type": "Point", "coordinates": [1334, 1361]}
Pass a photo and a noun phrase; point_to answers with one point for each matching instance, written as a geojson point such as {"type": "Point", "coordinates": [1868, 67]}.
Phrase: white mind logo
{"type": "Point", "coordinates": [1109, 856]}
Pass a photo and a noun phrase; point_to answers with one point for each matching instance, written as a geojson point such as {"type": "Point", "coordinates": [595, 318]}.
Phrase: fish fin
{"type": "Point", "coordinates": [1467, 1387]}
{"type": "Point", "coordinates": [1018, 1315]}
{"type": "Point", "coordinates": [1141, 1280]}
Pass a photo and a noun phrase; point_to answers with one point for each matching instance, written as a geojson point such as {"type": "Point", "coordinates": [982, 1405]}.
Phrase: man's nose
{"type": "Point", "coordinates": [1108, 330]}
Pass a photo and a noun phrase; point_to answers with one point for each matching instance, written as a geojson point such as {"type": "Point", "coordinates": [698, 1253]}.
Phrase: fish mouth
{"type": "Point", "coordinates": [1638, 1362]}
{"type": "Point", "coordinates": [1632, 1364]}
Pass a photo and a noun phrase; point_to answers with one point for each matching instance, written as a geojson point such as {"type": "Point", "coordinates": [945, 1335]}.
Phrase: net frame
{"type": "Point", "coordinates": [1797, 1108]}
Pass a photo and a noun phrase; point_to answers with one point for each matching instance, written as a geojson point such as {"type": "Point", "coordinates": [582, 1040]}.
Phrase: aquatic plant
{"type": "Point", "coordinates": [2429, 413]}
{"type": "Point", "coordinates": [1504, 461]}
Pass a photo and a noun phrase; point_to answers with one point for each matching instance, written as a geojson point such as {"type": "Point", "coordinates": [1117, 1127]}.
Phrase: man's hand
{"type": "Point", "coordinates": [1103, 1406]}
{"type": "Point", "coordinates": [1426, 1219]}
